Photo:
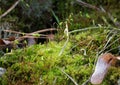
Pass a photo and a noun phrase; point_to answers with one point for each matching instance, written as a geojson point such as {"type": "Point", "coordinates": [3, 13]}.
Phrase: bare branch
{"type": "Point", "coordinates": [30, 34]}
{"type": "Point", "coordinates": [15, 32]}
{"type": "Point", "coordinates": [39, 31]}
{"type": "Point", "coordinates": [20, 33]}
{"type": "Point", "coordinates": [24, 36]}
{"type": "Point", "coordinates": [10, 9]}
{"type": "Point", "coordinates": [44, 30]}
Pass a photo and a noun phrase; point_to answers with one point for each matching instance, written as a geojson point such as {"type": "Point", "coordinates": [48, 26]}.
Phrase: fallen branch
{"type": "Point", "coordinates": [15, 32]}
{"type": "Point", "coordinates": [44, 30]}
{"type": "Point", "coordinates": [31, 35]}
{"type": "Point", "coordinates": [23, 36]}
{"type": "Point", "coordinates": [36, 32]}
{"type": "Point", "coordinates": [10, 9]}
{"type": "Point", "coordinates": [20, 33]}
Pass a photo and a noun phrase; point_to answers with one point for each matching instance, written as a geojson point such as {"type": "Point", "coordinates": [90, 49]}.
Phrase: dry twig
{"type": "Point", "coordinates": [30, 34]}
{"type": "Point", "coordinates": [10, 9]}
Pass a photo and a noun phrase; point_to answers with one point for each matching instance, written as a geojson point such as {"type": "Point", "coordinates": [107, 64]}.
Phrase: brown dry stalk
{"type": "Point", "coordinates": [39, 31]}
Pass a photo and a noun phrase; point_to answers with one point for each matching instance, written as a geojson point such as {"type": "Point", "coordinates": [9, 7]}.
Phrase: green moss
{"type": "Point", "coordinates": [39, 64]}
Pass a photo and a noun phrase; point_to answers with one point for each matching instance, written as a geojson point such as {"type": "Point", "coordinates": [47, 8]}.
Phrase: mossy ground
{"type": "Point", "coordinates": [40, 64]}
